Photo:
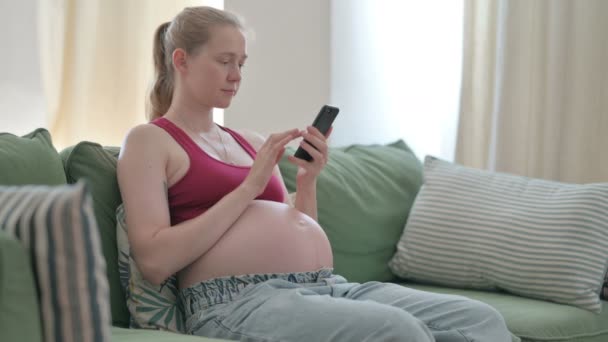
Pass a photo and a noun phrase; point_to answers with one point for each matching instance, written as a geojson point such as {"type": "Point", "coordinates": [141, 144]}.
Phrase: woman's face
{"type": "Point", "coordinates": [213, 74]}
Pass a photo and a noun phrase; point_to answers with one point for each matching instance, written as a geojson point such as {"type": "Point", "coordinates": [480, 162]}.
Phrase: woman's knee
{"type": "Point", "coordinates": [482, 310]}
{"type": "Point", "coordinates": [398, 325]}
{"type": "Point", "coordinates": [488, 320]}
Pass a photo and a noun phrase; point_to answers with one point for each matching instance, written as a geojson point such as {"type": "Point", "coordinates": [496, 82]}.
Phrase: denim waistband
{"type": "Point", "coordinates": [224, 289]}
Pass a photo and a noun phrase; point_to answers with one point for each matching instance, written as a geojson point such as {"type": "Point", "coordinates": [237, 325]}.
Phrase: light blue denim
{"type": "Point", "coordinates": [320, 306]}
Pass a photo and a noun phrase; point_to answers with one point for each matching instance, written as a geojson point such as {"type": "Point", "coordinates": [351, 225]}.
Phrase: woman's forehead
{"type": "Point", "coordinates": [227, 39]}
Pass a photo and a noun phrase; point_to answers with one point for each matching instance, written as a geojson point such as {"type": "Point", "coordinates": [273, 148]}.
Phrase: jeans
{"type": "Point", "coordinates": [320, 306]}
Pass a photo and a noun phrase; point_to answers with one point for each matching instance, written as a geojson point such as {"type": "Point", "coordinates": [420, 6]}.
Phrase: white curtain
{"type": "Point", "coordinates": [96, 61]}
{"type": "Point", "coordinates": [534, 96]}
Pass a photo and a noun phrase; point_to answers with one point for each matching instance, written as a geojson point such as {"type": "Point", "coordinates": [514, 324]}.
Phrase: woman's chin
{"type": "Point", "coordinates": [223, 104]}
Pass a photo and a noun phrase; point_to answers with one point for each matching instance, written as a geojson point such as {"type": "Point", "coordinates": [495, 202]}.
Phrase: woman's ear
{"type": "Point", "coordinates": [179, 60]}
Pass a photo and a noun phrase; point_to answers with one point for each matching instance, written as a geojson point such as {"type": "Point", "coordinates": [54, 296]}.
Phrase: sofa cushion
{"type": "Point", "coordinates": [142, 335]}
{"type": "Point", "coordinates": [604, 292]}
{"type": "Point", "coordinates": [537, 320]}
{"type": "Point", "coordinates": [30, 159]}
{"type": "Point", "coordinates": [472, 228]}
{"type": "Point", "coordinates": [150, 306]}
{"type": "Point", "coordinates": [19, 309]}
{"type": "Point", "coordinates": [57, 226]}
{"type": "Point", "coordinates": [364, 194]}
{"type": "Point", "coordinates": [97, 165]}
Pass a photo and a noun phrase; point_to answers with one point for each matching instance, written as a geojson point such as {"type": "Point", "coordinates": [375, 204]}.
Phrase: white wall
{"type": "Point", "coordinates": [395, 72]}
{"type": "Point", "coordinates": [286, 78]}
{"type": "Point", "coordinates": [22, 107]}
{"type": "Point", "coordinates": [356, 83]}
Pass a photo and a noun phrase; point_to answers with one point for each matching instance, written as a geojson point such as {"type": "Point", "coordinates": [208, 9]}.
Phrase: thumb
{"type": "Point", "coordinates": [280, 154]}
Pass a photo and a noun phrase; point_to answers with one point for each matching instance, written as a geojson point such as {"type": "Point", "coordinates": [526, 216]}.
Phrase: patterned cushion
{"type": "Point", "coordinates": [471, 228]}
{"type": "Point", "coordinates": [57, 226]}
{"type": "Point", "coordinates": [151, 307]}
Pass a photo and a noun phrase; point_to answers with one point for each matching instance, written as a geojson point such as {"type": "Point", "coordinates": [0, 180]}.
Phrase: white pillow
{"type": "Point", "coordinates": [471, 228]}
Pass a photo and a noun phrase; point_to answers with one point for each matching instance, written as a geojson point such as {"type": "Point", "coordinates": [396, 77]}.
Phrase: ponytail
{"type": "Point", "coordinates": [161, 93]}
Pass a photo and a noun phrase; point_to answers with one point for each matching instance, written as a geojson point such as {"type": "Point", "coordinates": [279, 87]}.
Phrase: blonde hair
{"type": "Point", "coordinates": [189, 30]}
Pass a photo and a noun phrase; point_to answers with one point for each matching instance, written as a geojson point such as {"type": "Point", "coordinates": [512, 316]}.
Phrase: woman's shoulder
{"type": "Point", "coordinates": [144, 133]}
{"type": "Point", "coordinates": [144, 137]}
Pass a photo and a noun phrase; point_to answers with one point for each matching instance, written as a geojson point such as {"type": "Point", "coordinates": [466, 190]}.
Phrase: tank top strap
{"type": "Point", "coordinates": [242, 141]}
{"type": "Point", "coordinates": [178, 134]}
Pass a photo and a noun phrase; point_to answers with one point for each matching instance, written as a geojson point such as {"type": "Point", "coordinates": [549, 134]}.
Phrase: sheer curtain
{"type": "Point", "coordinates": [396, 72]}
{"type": "Point", "coordinates": [535, 88]}
{"type": "Point", "coordinates": [96, 61]}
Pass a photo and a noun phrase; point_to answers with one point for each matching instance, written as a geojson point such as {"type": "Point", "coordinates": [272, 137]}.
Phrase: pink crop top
{"type": "Point", "coordinates": [208, 179]}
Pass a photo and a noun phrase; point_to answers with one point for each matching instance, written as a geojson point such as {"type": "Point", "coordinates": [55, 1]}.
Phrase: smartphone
{"type": "Point", "coordinates": [322, 122]}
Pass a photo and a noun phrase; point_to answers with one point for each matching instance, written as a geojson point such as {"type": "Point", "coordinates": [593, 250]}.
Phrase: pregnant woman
{"type": "Point", "coordinates": [209, 203]}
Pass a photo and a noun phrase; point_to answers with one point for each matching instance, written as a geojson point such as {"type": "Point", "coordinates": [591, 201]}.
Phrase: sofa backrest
{"type": "Point", "coordinates": [30, 159]}
{"type": "Point", "coordinates": [97, 165]}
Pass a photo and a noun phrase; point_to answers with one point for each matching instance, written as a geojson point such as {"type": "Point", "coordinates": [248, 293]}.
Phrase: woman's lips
{"type": "Point", "coordinates": [231, 92]}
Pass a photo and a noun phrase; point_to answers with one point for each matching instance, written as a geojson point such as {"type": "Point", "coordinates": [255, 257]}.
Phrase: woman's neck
{"type": "Point", "coordinates": [193, 117]}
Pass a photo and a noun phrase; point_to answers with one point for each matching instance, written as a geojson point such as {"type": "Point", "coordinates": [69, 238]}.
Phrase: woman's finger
{"type": "Point", "coordinates": [315, 131]}
{"type": "Point", "coordinates": [275, 137]}
{"type": "Point", "coordinates": [315, 141]}
{"type": "Point", "coordinates": [291, 132]}
{"type": "Point", "coordinates": [276, 141]}
{"type": "Point", "coordinates": [281, 143]}
{"type": "Point", "coordinates": [299, 162]}
{"type": "Point", "coordinates": [279, 155]}
{"type": "Point", "coordinates": [314, 153]}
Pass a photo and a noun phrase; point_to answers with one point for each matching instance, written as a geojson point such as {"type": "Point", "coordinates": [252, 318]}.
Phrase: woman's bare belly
{"type": "Point", "coordinates": [269, 237]}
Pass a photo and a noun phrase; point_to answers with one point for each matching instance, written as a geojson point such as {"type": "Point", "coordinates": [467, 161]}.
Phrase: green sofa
{"type": "Point", "coordinates": [364, 198]}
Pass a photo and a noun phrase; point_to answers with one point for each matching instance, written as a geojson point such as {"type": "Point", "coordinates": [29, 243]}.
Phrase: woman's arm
{"type": "Point", "coordinates": [308, 171]}
{"type": "Point", "coordinates": [159, 249]}
{"type": "Point", "coordinates": [306, 198]}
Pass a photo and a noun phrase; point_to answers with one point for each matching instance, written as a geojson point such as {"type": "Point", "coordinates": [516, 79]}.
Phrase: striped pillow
{"type": "Point", "coordinates": [471, 228]}
{"type": "Point", "coordinates": [57, 226]}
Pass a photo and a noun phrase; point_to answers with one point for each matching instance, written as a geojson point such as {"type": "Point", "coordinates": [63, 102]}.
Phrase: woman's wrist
{"type": "Point", "coordinates": [304, 184]}
{"type": "Point", "coordinates": [248, 191]}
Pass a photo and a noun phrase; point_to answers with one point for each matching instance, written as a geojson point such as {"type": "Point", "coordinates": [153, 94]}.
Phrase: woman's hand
{"type": "Point", "coordinates": [268, 155]}
{"type": "Point", "coordinates": [309, 170]}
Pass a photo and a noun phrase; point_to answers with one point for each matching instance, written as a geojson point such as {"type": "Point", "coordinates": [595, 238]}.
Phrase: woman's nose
{"type": "Point", "coordinates": [234, 74]}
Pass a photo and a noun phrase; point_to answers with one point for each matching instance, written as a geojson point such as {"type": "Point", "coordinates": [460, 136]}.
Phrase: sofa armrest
{"type": "Point", "coordinates": [19, 309]}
